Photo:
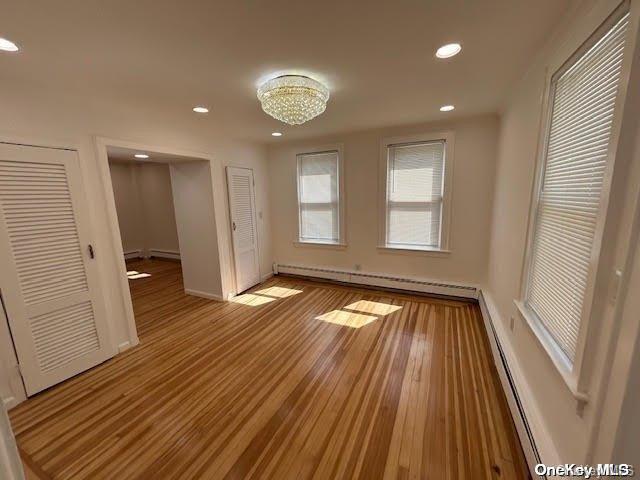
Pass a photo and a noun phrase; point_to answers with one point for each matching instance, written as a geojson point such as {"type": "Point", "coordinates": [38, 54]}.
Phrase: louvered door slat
{"type": "Point", "coordinates": [55, 229]}
{"type": "Point", "coordinates": [52, 294]}
{"type": "Point", "coordinates": [45, 255]}
{"type": "Point", "coordinates": [52, 264]}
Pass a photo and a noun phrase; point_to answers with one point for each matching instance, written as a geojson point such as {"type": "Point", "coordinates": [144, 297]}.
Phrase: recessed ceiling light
{"type": "Point", "coordinates": [276, 134]}
{"type": "Point", "coordinates": [8, 45]}
{"type": "Point", "coordinates": [446, 108]}
{"type": "Point", "coordinates": [449, 50]}
{"type": "Point", "coordinates": [200, 109]}
{"type": "Point", "coordinates": [141, 155]}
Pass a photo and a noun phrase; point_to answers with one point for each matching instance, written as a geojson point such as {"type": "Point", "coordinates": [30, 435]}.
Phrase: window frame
{"type": "Point", "coordinates": [341, 243]}
{"type": "Point", "coordinates": [445, 217]}
{"type": "Point", "coordinates": [574, 374]}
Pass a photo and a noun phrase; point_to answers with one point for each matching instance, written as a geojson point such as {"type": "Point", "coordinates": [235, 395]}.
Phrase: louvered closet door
{"type": "Point", "coordinates": [243, 227]}
{"type": "Point", "coordinates": [47, 276]}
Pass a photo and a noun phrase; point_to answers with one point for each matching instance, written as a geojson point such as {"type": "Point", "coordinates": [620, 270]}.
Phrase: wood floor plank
{"type": "Point", "coordinates": [295, 379]}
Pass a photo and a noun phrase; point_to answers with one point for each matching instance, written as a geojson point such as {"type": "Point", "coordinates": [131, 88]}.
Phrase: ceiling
{"type": "Point", "coordinates": [377, 57]}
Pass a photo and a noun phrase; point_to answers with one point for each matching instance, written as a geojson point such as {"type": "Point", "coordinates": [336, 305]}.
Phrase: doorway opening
{"type": "Point", "coordinates": [165, 214]}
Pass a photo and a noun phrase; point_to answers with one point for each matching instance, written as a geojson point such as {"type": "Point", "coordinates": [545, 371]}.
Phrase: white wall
{"type": "Point", "coordinates": [61, 118]}
{"type": "Point", "coordinates": [562, 431]}
{"type": "Point", "coordinates": [127, 197]}
{"type": "Point", "coordinates": [473, 171]}
{"type": "Point", "coordinates": [11, 387]}
{"type": "Point", "coordinates": [144, 202]}
{"type": "Point", "coordinates": [10, 463]}
{"type": "Point", "coordinates": [621, 422]}
{"type": "Point", "coordinates": [156, 197]}
{"type": "Point", "coordinates": [191, 182]}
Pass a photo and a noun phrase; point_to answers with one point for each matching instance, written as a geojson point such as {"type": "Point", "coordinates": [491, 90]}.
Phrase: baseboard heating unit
{"type": "Point", "coordinates": [518, 413]}
{"type": "Point", "coordinates": [171, 254]}
{"type": "Point", "coordinates": [379, 280]}
{"type": "Point", "coordinates": [128, 255]}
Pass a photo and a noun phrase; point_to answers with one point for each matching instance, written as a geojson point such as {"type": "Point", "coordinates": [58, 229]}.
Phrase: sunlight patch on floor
{"type": "Point", "coordinates": [252, 300]}
{"type": "Point", "coordinates": [375, 308]}
{"type": "Point", "coordinates": [347, 319]}
{"type": "Point", "coordinates": [265, 295]}
{"type": "Point", "coordinates": [133, 275]}
{"type": "Point", "coordinates": [278, 292]}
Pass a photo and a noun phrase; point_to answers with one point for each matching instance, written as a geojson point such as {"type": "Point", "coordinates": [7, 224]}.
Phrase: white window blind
{"type": "Point", "coordinates": [584, 95]}
{"type": "Point", "coordinates": [318, 197]}
{"type": "Point", "coordinates": [415, 173]}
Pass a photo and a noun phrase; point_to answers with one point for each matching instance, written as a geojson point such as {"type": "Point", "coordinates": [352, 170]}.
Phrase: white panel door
{"type": "Point", "coordinates": [48, 275]}
{"type": "Point", "coordinates": [243, 227]}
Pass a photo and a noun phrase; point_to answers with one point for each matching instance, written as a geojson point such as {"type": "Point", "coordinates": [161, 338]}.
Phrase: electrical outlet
{"type": "Point", "coordinates": [511, 323]}
{"type": "Point", "coordinates": [358, 267]}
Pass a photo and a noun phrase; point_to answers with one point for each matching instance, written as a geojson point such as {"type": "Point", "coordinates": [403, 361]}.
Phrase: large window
{"type": "Point", "coordinates": [572, 184]}
{"type": "Point", "coordinates": [319, 197]}
{"type": "Point", "coordinates": [415, 202]}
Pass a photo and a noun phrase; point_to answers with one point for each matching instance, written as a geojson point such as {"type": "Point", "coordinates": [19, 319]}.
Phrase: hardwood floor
{"type": "Point", "coordinates": [298, 380]}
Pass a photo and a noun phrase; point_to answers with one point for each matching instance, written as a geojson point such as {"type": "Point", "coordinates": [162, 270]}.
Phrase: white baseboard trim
{"type": "Point", "coordinates": [266, 277]}
{"type": "Point", "coordinates": [397, 282]}
{"type": "Point", "coordinates": [124, 346]}
{"type": "Point", "coordinates": [534, 437]}
{"type": "Point", "coordinates": [198, 293]}
{"type": "Point", "coordinates": [132, 254]}
{"type": "Point", "coordinates": [172, 254]}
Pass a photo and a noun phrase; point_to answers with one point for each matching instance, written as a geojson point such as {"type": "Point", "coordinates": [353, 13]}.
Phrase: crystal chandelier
{"type": "Point", "coordinates": [293, 99]}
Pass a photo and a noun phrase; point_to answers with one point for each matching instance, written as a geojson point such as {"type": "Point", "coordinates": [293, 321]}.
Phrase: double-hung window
{"type": "Point", "coordinates": [415, 202]}
{"type": "Point", "coordinates": [572, 183]}
{"type": "Point", "coordinates": [319, 212]}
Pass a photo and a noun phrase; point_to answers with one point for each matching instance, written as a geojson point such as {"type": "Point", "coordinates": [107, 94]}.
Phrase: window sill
{"type": "Point", "coordinates": [558, 358]}
{"type": "Point", "coordinates": [331, 246]}
{"type": "Point", "coordinates": [430, 252]}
